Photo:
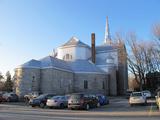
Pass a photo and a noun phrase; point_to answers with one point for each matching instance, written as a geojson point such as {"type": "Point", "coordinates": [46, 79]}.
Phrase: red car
{"type": "Point", "coordinates": [82, 101]}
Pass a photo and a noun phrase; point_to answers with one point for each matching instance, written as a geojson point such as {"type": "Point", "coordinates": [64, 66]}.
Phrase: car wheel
{"type": "Point", "coordinates": [42, 105]}
{"type": "Point", "coordinates": [87, 107]}
{"type": "Point", "coordinates": [145, 102]}
{"type": "Point", "coordinates": [61, 105]}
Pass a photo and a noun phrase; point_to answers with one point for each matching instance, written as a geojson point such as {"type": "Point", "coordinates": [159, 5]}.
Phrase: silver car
{"type": "Point", "coordinates": [57, 101]}
{"type": "Point", "coordinates": [137, 98]}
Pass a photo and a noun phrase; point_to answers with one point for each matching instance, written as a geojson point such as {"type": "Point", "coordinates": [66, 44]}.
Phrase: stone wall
{"type": "Point", "coordinates": [27, 80]}
{"type": "Point", "coordinates": [123, 79]}
{"type": "Point", "coordinates": [52, 80]}
{"type": "Point", "coordinates": [112, 81]}
{"type": "Point", "coordinates": [122, 70]}
{"type": "Point", "coordinates": [56, 81]}
{"type": "Point", "coordinates": [95, 83]}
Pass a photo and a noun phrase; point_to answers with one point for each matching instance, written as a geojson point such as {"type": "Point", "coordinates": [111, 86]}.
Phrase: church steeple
{"type": "Point", "coordinates": [107, 37]}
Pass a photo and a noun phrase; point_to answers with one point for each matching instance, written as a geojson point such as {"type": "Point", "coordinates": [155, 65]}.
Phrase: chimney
{"type": "Point", "coordinates": [93, 47]}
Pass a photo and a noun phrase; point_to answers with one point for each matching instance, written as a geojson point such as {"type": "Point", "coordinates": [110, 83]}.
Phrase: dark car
{"type": "Point", "coordinates": [82, 101]}
{"type": "Point", "coordinates": [10, 97]}
{"type": "Point", "coordinates": [40, 100]}
{"type": "Point", "coordinates": [1, 98]}
{"type": "Point", "coordinates": [102, 99]}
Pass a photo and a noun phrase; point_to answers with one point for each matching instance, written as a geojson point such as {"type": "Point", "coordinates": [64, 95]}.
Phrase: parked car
{"type": "Point", "coordinates": [82, 101]}
{"type": "Point", "coordinates": [40, 100]}
{"type": "Point", "coordinates": [31, 95]}
{"type": "Point", "coordinates": [147, 93]}
{"type": "Point", "coordinates": [1, 98]}
{"type": "Point", "coordinates": [57, 101]}
{"type": "Point", "coordinates": [68, 96]}
{"type": "Point", "coordinates": [10, 97]}
{"type": "Point", "coordinates": [102, 99]}
{"type": "Point", "coordinates": [137, 98]}
{"type": "Point", "coordinates": [158, 100]}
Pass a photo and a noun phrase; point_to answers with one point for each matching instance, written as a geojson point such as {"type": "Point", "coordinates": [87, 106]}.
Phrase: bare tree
{"type": "Point", "coordinates": [156, 52]}
{"type": "Point", "coordinates": [142, 58]}
{"type": "Point", "coordinates": [156, 31]}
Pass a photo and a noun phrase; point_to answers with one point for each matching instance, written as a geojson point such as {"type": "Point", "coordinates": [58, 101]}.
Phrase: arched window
{"type": "Point", "coordinates": [67, 57]}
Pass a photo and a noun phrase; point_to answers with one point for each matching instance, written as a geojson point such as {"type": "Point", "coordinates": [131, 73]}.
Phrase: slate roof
{"type": "Point", "coordinates": [74, 42]}
{"type": "Point", "coordinates": [46, 62]}
{"type": "Point", "coordinates": [31, 63]}
{"type": "Point", "coordinates": [104, 48]}
{"type": "Point", "coordinates": [84, 66]}
{"type": "Point", "coordinates": [50, 61]}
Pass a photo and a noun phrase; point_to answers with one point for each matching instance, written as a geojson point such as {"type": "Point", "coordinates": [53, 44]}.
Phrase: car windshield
{"type": "Point", "coordinates": [76, 96]}
{"type": "Point", "coordinates": [56, 97]}
{"type": "Point", "coordinates": [146, 92]}
{"type": "Point", "coordinates": [41, 96]}
{"type": "Point", "coordinates": [136, 94]}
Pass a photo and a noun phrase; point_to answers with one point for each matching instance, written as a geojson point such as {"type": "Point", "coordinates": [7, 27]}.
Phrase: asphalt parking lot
{"type": "Point", "coordinates": [117, 109]}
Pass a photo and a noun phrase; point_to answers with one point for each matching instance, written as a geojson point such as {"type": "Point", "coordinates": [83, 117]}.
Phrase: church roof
{"type": "Point", "coordinates": [74, 42]}
{"type": "Point", "coordinates": [104, 48]}
{"type": "Point", "coordinates": [53, 62]}
{"type": "Point", "coordinates": [31, 64]}
{"type": "Point", "coordinates": [84, 66]}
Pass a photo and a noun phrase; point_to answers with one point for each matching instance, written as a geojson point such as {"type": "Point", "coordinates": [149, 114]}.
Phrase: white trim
{"type": "Point", "coordinates": [90, 72]}
{"type": "Point", "coordinates": [97, 52]}
{"type": "Point", "coordinates": [63, 70]}
{"type": "Point", "coordinates": [69, 46]}
{"type": "Point", "coordinates": [44, 68]}
{"type": "Point", "coordinates": [57, 69]}
{"type": "Point", "coordinates": [28, 67]}
{"type": "Point", "coordinates": [107, 65]}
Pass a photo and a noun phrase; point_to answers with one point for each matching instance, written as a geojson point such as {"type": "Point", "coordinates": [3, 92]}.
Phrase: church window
{"type": "Point", "coordinates": [33, 82]}
{"type": "Point", "coordinates": [103, 85]}
{"type": "Point", "coordinates": [67, 57]}
{"type": "Point", "coordinates": [85, 84]}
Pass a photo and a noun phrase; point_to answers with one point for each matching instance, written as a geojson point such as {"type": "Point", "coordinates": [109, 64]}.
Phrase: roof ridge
{"type": "Point", "coordinates": [74, 41]}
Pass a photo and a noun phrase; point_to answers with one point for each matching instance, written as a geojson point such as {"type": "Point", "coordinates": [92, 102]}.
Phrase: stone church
{"type": "Point", "coordinates": [77, 67]}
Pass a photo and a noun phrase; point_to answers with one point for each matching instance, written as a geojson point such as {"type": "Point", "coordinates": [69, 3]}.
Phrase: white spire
{"type": "Point", "coordinates": [107, 37]}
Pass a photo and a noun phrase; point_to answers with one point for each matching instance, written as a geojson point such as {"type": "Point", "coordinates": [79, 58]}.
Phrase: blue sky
{"type": "Point", "coordinates": [30, 29]}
